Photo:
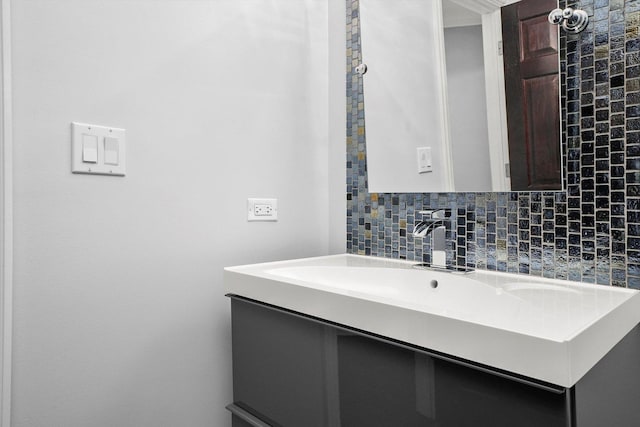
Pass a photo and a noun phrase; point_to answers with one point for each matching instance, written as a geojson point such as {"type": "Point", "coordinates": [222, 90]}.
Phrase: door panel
{"type": "Point", "coordinates": [543, 159]}
{"type": "Point", "coordinates": [538, 38]}
{"type": "Point", "coordinates": [531, 64]}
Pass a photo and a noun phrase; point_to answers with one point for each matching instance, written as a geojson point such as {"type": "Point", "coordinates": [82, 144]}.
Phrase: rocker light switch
{"type": "Point", "coordinates": [425, 163]}
{"type": "Point", "coordinates": [97, 149]}
{"type": "Point", "coordinates": [110, 150]}
{"type": "Point", "coordinates": [89, 148]}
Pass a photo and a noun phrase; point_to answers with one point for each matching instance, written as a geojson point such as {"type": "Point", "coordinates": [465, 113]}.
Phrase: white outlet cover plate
{"type": "Point", "coordinates": [251, 209]}
{"type": "Point", "coordinates": [107, 162]}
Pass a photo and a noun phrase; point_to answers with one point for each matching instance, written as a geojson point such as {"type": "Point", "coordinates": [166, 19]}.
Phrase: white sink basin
{"type": "Point", "coordinates": [440, 293]}
{"type": "Point", "coordinates": [549, 330]}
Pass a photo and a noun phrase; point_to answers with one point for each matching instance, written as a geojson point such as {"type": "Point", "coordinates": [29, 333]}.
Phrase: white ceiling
{"type": "Point", "coordinates": [455, 15]}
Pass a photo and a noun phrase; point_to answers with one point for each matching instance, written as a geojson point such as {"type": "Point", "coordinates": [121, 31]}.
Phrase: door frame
{"type": "Point", "coordinates": [496, 100]}
{"type": "Point", "coordinates": [6, 215]}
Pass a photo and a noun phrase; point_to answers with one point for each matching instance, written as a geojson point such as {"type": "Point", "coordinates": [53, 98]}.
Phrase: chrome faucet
{"type": "Point", "coordinates": [435, 226]}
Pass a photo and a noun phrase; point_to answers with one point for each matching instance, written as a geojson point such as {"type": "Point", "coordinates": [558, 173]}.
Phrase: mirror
{"type": "Point", "coordinates": [461, 95]}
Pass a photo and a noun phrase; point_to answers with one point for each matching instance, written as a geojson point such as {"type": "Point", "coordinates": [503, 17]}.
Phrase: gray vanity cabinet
{"type": "Point", "coordinates": [290, 370]}
{"type": "Point", "coordinates": [278, 366]}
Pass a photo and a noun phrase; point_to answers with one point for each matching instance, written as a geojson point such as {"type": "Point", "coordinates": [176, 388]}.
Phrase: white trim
{"type": "Point", "coordinates": [496, 117]}
{"type": "Point", "coordinates": [6, 216]}
{"type": "Point", "coordinates": [447, 149]}
{"type": "Point", "coordinates": [337, 126]}
{"type": "Point", "coordinates": [484, 6]}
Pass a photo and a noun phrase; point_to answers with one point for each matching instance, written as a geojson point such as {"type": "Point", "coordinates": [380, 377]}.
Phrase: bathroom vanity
{"type": "Point", "coordinates": [362, 341]}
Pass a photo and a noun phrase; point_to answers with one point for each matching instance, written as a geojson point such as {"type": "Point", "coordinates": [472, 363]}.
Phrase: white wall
{"type": "Point", "coordinates": [6, 216]}
{"type": "Point", "coordinates": [404, 99]}
{"type": "Point", "coordinates": [467, 107]}
{"type": "Point", "coordinates": [120, 318]}
{"type": "Point", "coordinates": [337, 127]}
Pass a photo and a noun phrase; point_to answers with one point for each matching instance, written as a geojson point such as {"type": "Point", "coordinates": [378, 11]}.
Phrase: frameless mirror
{"type": "Point", "coordinates": [461, 95]}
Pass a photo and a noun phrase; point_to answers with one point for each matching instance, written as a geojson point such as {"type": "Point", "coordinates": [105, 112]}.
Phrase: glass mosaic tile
{"type": "Point", "coordinates": [590, 232]}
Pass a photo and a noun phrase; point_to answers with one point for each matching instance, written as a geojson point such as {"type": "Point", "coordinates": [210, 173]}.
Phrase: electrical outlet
{"type": "Point", "coordinates": [262, 209]}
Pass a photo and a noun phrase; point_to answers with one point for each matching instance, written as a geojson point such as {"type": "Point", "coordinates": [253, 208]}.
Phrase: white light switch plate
{"type": "Point", "coordinates": [262, 209]}
{"type": "Point", "coordinates": [425, 163]}
{"type": "Point", "coordinates": [109, 161]}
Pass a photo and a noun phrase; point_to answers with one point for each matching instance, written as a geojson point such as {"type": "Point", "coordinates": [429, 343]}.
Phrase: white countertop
{"type": "Point", "coordinates": [549, 330]}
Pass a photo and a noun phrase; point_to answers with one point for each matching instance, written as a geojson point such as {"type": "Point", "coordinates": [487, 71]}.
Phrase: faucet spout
{"type": "Point", "coordinates": [439, 246]}
{"type": "Point", "coordinates": [423, 228]}
{"type": "Point", "coordinates": [435, 226]}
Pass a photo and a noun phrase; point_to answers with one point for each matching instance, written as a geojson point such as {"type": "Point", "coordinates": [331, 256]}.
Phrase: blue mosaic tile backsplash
{"type": "Point", "coordinates": [590, 232]}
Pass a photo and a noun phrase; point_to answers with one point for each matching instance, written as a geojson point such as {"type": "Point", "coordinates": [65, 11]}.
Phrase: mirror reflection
{"type": "Point", "coordinates": [461, 95]}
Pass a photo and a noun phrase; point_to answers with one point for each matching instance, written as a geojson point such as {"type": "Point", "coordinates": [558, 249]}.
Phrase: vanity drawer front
{"type": "Point", "coordinates": [293, 371]}
{"type": "Point", "coordinates": [466, 397]}
{"type": "Point", "coordinates": [243, 418]}
{"type": "Point", "coordinates": [278, 371]}
{"type": "Point", "coordinates": [239, 422]}
{"type": "Point", "coordinates": [381, 384]}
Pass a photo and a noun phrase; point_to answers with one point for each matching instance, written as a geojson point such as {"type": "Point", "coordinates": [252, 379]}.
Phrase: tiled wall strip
{"type": "Point", "coordinates": [589, 233]}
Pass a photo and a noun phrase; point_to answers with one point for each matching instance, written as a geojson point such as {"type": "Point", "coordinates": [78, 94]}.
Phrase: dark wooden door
{"type": "Point", "coordinates": [532, 88]}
